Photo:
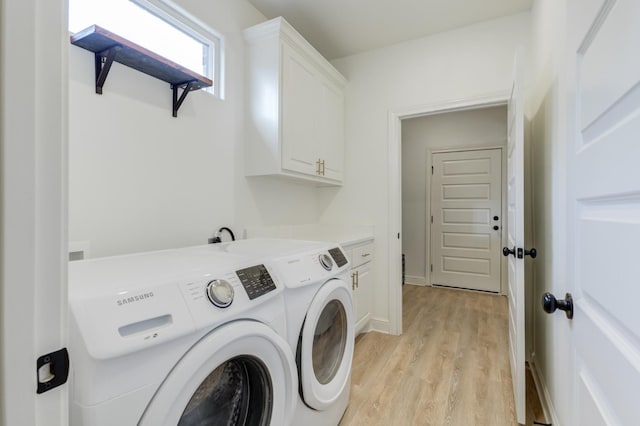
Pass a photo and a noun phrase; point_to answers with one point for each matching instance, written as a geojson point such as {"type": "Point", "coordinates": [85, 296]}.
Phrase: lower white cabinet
{"type": "Point", "coordinates": [361, 256]}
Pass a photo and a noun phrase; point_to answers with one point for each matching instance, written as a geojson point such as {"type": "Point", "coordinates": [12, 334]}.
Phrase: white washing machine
{"type": "Point", "coordinates": [179, 337]}
{"type": "Point", "coordinates": [320, 322]}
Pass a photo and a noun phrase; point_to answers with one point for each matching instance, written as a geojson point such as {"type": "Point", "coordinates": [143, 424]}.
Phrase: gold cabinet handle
{"type": "Point", "coordinates": [318, 170]}
{"type": "Point", "coordinates": [366, 254]}
{"type": "Point", "coordinates": [322, 167]}
{"type": "Point", "coordinates": [353, 280]}
{"type": "Point", "coordinates": [357, 279]}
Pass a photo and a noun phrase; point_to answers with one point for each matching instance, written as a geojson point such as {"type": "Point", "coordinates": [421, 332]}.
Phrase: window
{"type": "Point", "coordinates": [157, 25]}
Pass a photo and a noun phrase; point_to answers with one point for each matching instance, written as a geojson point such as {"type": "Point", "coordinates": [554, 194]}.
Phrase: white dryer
{"type": "Point", "coordinates": [179, 337]}
{"type": "Point", "coordinates": [320, 324]}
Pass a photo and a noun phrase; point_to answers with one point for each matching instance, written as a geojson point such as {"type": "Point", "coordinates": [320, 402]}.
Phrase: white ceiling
{"type": "Point", "coordinates": [340, 28]}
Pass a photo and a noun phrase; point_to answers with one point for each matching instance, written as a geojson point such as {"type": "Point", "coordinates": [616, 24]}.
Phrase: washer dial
{"type": "Point", "coordinates": [325, 261]}
{"type": "Point", "coordinates": [220, 293]}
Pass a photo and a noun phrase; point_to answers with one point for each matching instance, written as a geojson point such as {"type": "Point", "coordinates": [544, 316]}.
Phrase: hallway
{"type": "Point", "coordinates": [450, 366]}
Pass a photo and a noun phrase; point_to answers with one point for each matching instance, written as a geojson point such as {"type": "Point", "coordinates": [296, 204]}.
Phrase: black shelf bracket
{"type": "Point", "coordinates": [108, 48]}
{"type": "Point", "coordinates": [177, 101]}
{"type": "Point", "coordinates": [103, 61]}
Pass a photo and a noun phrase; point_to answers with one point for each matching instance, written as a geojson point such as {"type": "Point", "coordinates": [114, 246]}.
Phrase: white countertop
{"type": "Point", "coordinates": [341, 234]}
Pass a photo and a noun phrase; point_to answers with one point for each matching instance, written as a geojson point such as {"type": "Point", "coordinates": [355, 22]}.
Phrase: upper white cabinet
{"type": "Point", "coordinates": [295, 107]}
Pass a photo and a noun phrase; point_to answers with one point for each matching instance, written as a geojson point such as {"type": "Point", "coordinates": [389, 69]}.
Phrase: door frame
{"type": "Point", "coordinates": [394, 185]}
{"type": "Point", "coordinates": [503, 206]}
{"type": "Point", "coordinates": [33, 207]}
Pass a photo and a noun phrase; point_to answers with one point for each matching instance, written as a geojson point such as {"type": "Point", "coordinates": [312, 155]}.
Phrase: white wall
{"type": "Point", "coordinates": [469, 62]}
{"type": "Point", "coordinates": [143, 180]}
{"type": "Point", "coordinates": [546, 109]}
{"type": "Point", "coordinates": [486, 127]}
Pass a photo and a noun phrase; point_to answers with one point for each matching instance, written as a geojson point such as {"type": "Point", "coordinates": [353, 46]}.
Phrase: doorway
{"type": "Point", "coordinates": [426, 138]}
{"type": "Point", "coordinates": [513, 117]}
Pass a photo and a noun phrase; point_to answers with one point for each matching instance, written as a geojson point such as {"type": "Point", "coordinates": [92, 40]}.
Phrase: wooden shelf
{"type": "Point", "coordinates": [109, 47]}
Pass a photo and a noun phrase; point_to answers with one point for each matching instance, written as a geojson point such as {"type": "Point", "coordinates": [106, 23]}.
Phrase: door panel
{"type": "Point", "coordinates": [361, 295]}
{"type": "Point", "coordinates": [478, 166]}
{"type": "Point", "coordinates": [332, 132]}
{"type": "Point", "coordinates": [620, 64]}
{"type": "Point", "coordinates": [300, 109]}
{"type": "Point", "coordinates": [465, 265]}
{"type": "Point", "coordinates": [466, 216]}
{"type": "Point", "coordinates": [470, 241]}
{"type": "Point", "coordinates": [608, 368]}
{"type": "Point", "coordinates": [466, 192]}
{"type": "Point", "coordinates": [604, 70]}
{"type": "Point", "coordinates": [602, 228]}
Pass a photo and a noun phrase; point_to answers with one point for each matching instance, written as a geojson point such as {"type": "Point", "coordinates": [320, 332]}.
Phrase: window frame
{"type": "Point", "coordinates": [211, 41]}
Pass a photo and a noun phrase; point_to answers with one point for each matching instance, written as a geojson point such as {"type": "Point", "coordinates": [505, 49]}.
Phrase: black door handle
{"type": "Point", "coordinates": [550, 304]}
{"type": "Point", "coordinates": [533, 253]}
{"type": "Point", "coordinates": [506, 251]}
{"type": "Point", "coordinates": [496, 227]}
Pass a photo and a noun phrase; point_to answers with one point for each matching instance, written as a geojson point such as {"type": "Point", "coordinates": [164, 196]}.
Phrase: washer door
{"type": "Point", "coordinates": [325, 347]}
{"type": "Point", "coordinates": [242, 373]}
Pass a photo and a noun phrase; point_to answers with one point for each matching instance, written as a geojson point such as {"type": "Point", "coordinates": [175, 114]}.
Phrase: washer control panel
{"type": "Point", "coordinates": [256, 281]}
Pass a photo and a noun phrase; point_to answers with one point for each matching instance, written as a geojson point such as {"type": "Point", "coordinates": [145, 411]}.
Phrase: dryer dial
{"type": "Point", "coordinates": [326, 261]}
{"type": "Point", "coordinates": [220, 293]}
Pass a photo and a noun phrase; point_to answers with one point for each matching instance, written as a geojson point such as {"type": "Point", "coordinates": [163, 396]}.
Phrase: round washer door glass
{"type": "Point", "coordinates": [241, 373]}
{"type": "Point", "coordinates": [329, 341]}
{"type": "Point", "coordinates": [238, 392]}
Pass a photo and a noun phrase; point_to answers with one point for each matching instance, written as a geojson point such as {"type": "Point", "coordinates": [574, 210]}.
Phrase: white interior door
{"type": "Point", "coordinates": [515, 238]}
{"type": "Point", "coordinates": [466, 206]}
{"type": "Point", "coordinates": [604, 200]}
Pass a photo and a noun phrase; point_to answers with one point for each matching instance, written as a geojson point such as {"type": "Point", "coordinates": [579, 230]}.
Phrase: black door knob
{"type": "Point", "coordinates": [550, 304]}
{"type": "Point", "coordinates": [496, 218]}
{"type": "Point", "coordinates": [533, 253]}
{"type": "Point", "coordinates": [496, 227]}
{"type": "Point", "coordinates": [506, 251]}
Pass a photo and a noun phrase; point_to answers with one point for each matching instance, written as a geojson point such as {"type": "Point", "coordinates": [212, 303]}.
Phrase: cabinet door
{"type": "Point", "coordinates": [301, 92]}
{"type": "Point", "coordinates": [361, 295]}
{"type": "Point", "coordinates": [332, 132]}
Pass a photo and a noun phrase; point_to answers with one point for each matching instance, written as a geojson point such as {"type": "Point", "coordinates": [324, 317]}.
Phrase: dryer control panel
{"type": "Point", "coordinates": [338, 256]}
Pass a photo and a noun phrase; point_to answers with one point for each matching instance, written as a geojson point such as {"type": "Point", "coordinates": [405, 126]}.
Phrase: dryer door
{"type": "Point", "coordinates": [325, 347]}
{"type": "Point", "coordinates": [242, 373]}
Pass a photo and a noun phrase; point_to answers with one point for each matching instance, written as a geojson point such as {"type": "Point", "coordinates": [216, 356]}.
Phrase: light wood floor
{"type": "Point", "coordinates": [449, 367]}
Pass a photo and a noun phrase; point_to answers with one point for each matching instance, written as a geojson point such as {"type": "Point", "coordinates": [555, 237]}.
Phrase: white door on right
{"type": "Point", "coordinates": [604, 200]}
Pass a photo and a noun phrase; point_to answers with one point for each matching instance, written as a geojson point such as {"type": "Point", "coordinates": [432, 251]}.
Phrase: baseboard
{"type": "Point", "coordinates": [413, 280]}
{"type": "Point", "coordinates": [379, 325]}
{"type": "Point", "coordinates": [543, 392]}
{"type": "Point", "coordinates": [363, 325]}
